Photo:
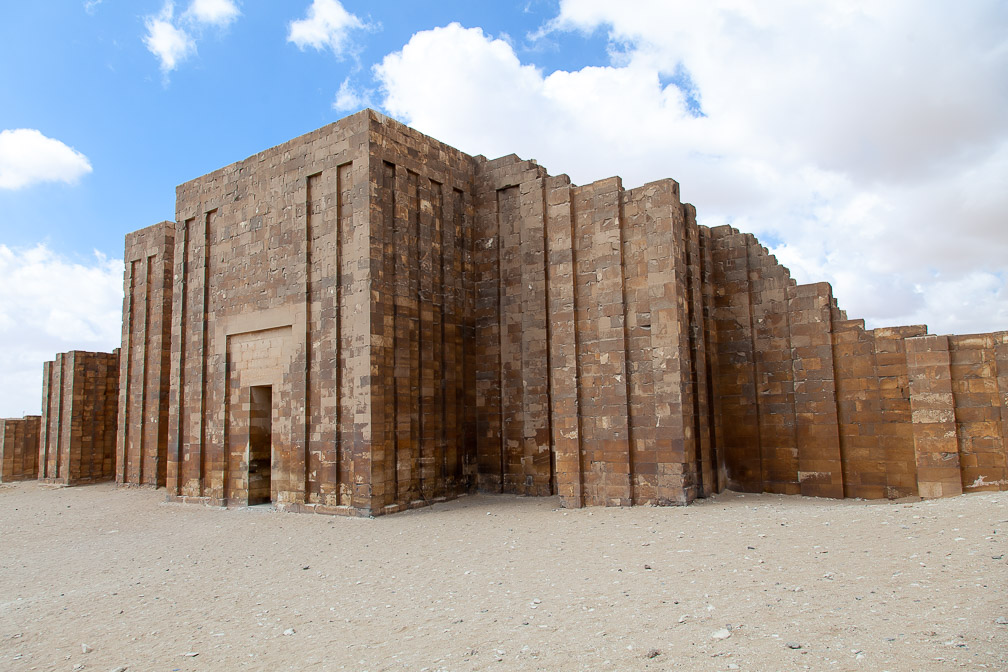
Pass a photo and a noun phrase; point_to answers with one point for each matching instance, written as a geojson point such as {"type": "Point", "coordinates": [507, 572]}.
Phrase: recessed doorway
{"type": "Point", "coordinates": [260, 457]}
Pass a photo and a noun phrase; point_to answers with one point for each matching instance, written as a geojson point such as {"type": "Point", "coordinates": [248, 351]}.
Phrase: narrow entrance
{"type": "Point", "coordinates": [260, 457]}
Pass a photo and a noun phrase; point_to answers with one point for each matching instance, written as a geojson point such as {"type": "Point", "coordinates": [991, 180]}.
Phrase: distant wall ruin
{"type": "Point", "coordinates": [19, 442]}
{"type": "Point", "coordinates": [364, 319]}
{"type": "Point", "coordinates": [78, 434]}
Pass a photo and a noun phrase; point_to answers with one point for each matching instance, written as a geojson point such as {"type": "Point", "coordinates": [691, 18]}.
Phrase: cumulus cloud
{"type": "Point", "coordinates": [172, 39]}
{"type": "Point", "coordinates": [863, 142]}
{"type": "Point", "coordinates": [216, 12]}
{"type": "Point", "coordinates": [169, 42]}
{"type": "Point", "coordinates": [326, 25]}
{"type": "Point", "coordinates": [51, 304]}
{"type": "Point", "coordinates": [28, 157]}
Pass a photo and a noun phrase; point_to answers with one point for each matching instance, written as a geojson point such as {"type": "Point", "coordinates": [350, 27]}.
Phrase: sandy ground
{"type": "Point", "coordinates": [748, 582]}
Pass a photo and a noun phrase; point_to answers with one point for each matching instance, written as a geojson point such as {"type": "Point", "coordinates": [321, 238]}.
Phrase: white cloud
{"type": "Point", "coordinates": [327, 24]}
{"type": "Point", "coordinates": [215, 12]}
{"type": "Point", "coordinates": [172, 40]}
{"type": "Point", "coordinates": [50, 304]}
{"type": "Point", "coordinates": [28, 157]}
{"type": "Point", "coordinates": [170, 43]}
{"type": "Point", "coordinates": [91, 5]}
{"type": "Point", "coordinates": [868, 138]}
{"type": "Point", "coordinates": [350, 99]}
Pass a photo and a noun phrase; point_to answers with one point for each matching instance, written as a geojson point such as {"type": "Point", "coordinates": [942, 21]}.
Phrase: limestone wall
{"type": "Point", "coordinates": [429, 322]}
{"type": "Point", "coordinates": [813, 403]}
{"type": "Point", "coordinates": [269, 292]}
{"type": "Point", "coordinates": [422, 420]}
{"type": "Point", "coordinates": [332, 271]}
{"type": "Point", "coordinates": [364, 319]}
{"type": "Point", "coordinates": [592, 379]}
{"type": "Point", "coordinates": [142, 437]}
{"type": "Point", "coordinates": [873, 408]}
{"type": "Point", "coordinates": [19, 448]}
{"type": "Point", "coordinates": [77, 442]}
{"type": "Point", "coordinates": [958, 398]}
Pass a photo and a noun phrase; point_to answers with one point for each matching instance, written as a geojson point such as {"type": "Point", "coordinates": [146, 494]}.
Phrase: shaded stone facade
{"type": "Point", "coordinates": [142, 434]}
{"type": "Point", "coordinates": [364, 319]}
{"type": "Point", "coordinates": [327, 276]}
{"type": "Point", "coordinates": [19, 444]}
{"type": "Point", "coordinates": [78, 434]}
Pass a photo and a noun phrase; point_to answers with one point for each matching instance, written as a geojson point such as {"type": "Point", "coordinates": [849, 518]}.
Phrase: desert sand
{"type": "Point", "coordinates": [100, 578]}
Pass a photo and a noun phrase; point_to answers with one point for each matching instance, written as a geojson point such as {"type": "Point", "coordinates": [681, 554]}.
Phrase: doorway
{"type": "Point", "coordinates": [260, 450]}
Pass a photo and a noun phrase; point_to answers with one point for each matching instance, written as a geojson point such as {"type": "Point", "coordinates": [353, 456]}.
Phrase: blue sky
{"type": "Point", "coordinates": [86, 78]}
{"type": "Point", "coordinates": [866, 143]}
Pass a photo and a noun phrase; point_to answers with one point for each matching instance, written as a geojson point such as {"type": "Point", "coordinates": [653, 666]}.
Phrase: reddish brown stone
{"type": "Point", "coordinates": [364, 320]}
{"type": "Point", "coordinates": [19, 443]}
{"type": "Point", "coordinates": [77, 439]}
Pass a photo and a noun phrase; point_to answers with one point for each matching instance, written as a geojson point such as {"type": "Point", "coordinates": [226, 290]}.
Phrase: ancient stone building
{"type": "Point", "coordinates": [364, 319]}
{"type": "Point", "coordinates": [19, 444]}
{"type": "Point", "coordinates": [78, 433]}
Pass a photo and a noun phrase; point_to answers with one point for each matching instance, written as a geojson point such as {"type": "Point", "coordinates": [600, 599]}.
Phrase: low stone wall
{"type": "Point", "coordinates": [77, 441]}
{"type": "Point", "coordinates": [19, 442]}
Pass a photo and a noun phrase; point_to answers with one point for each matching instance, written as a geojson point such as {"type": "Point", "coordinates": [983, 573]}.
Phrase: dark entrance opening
{"type": "Point", "coordinates": [260, 458]}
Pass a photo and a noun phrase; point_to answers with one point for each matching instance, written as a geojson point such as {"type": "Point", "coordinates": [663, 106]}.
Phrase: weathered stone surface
{"type": "Point", "coordinates": [364, 320]}
{"type": "Point", "coordinates": [142, 435]}
{"type": "Point", "coordinates": [77, 439]}
{"type": "Point", "coordinates": [19, 442]}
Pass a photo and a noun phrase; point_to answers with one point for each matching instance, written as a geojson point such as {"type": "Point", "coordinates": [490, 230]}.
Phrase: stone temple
{"type": "Point", "coordinates": [364, 319]}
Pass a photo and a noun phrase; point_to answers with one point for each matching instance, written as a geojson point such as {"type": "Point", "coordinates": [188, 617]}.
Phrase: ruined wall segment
{"type": "Point", "coordinates": [142, 437]}
{"type": "Point", "coordinates": [19, 448]}
{"type": "Point", "coordinates": [80, 395]}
